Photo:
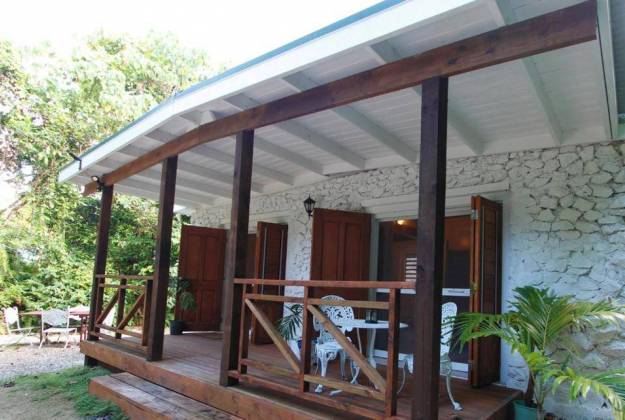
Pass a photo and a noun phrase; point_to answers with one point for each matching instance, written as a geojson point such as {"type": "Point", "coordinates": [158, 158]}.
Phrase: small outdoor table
{"type": "Point", "coordinates": [361, 324]}
{"type": "Point", "coordinates": [82, 314]}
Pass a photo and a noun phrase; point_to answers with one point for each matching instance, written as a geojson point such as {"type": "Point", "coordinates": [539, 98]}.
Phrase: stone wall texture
{"type": "Point", "coordinates": [564, 228]}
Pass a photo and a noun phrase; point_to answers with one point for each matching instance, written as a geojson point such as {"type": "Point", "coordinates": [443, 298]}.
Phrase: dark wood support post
{"type": "Point", "coordinates": [236, 253]}
{"type": "Point", "coordinates": [430, 248]}
{"type": "Point", "coordinates": [101, 253]}
{"type": "Point", "coordinates": [158, 306]}
{"type": "Point", "coordinates": [121, 305]}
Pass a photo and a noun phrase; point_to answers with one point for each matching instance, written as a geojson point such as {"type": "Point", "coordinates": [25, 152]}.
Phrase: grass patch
{"type": "Point", "coordinates": [71, 384]}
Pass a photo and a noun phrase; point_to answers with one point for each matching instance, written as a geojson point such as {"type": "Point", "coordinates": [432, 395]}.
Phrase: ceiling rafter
{"type": "Point", "coordinates": [119, 188]}
{"type": "Point", "coordinates": [185, 183]}
{"type": "Point", "coordinates": [294, 128]}
{"type": "Point", "coordinates": [146, 183]}
{"type": "Point", "coordinates": [214, 154]}
{"type": "Point", "coordinates": [385, 53]}
{"type": "Point", "coordinates": [504, 15]}
{"type": "Point", "coordinates": [273, 149]}
{"type": "Point", "coordinates": [186, 168]}
{"type": "Point", "coordinates": [300, 82]}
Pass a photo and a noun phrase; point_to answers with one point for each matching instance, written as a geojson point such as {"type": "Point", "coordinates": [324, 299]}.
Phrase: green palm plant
{"type": "Point", "coordinates": [537, 321]}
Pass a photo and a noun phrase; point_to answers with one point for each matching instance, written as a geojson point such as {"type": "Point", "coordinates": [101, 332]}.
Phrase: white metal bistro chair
{"type": "Point", "coordinates": [448, 311]}
{"type": "Point", "coordinates": [58, 322]}
{"type": "Point", "coordinates": [327, 348]}
{"type": "Point", "coordinates": [12, 321]}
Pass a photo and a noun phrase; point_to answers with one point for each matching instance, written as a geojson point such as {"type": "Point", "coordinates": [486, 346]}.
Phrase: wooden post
{"type": "Point", "coordinates": [430, 248]}
{"type": "Point", "coordinates": [307, 334]}
{"type": "Point", "coordinates": [158, 306]}
{"type": "Point", "coordinates": [101, 253]}
{"type": "Point", "coordinates": [121, 305]}
{"type": "Point", "coordinates": [237, 250]}
{"type": "Point", "coordinates": [392, 352]}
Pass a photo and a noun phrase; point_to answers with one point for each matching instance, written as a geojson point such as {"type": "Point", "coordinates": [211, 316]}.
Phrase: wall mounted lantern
{"type": "Point", "coordinates": [309, 205]}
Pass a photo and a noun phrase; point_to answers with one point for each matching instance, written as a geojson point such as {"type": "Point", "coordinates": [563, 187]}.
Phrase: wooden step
{"type": "Point", "coordinates": [140, 399]}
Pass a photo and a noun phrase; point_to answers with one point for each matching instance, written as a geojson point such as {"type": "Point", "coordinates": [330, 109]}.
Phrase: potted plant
{"type": "Point", "coordinates": [184, 298]}
{"type": "Point", "coordinates": [537, 322]}
{"type": "Point", "coordinates": [289, 325]}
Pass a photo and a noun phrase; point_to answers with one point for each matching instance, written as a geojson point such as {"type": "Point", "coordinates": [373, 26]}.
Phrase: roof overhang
{"type": "Point", "coordinates": [487, 108]}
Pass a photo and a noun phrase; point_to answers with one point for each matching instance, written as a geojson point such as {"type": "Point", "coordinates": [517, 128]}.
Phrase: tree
{"type": "Point", "coordinates": [50, 106]}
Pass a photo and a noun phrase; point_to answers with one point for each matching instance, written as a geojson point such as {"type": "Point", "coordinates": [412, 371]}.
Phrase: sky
{"type": "Point", "coordinates": [231, 31]}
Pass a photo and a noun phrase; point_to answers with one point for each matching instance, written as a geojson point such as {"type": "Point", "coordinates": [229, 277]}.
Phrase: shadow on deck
{"type": "Point", "coordinates": [191, 362]}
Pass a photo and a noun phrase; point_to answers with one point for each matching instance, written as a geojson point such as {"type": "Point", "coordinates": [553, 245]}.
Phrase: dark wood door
{"type": "Point", "coordinates": [202, 252]}
{"type": "Point", "coordinates": [270, 263]}
{"type": "Point", "coordinates": [340, 250]}
{"type": "Point", "coordinates": [484, 354]}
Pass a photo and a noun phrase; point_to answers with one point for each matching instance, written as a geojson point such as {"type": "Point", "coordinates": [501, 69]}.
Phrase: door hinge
{"type": "Point", "coordinates": [475, 215]}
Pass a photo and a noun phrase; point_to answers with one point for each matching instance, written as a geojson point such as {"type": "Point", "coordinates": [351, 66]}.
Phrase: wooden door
{"type": "Point", "coordinates": [202, 252]}
{"type": "Point", "coordinates": [484, 354]}
{"type": "Point", "coordinates": [340, 250]}
{"type": "Point", "coordinates": [270, 263]}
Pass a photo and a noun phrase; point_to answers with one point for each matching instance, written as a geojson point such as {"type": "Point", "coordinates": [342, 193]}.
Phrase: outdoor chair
{"type": "Point", "coordinates": [448, 312]}
{"type": "Point", "coordinates": [12, 317]}
{"type": "Point", "coordinates": [58, 322]}
{"type": "Point", "coordinates": [327, 348]}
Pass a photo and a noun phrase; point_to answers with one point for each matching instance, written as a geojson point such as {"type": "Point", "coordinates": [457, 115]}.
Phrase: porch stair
{"type": "Point", "coordinates": [140, 399]}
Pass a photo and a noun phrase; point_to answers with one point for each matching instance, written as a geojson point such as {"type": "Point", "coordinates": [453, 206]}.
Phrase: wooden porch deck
{"type": "Point", "coordinates": [191, 367]}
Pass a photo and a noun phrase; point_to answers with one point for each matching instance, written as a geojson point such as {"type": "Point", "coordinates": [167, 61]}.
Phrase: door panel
{"type": "Point", "coordinates": [484, 354]}
{"type": "Point", "coordinates": [340, 250]}
{"type": "Point", "coordinates": [270, 263]}
{"type": "Point", "coordinates": [202, 252]}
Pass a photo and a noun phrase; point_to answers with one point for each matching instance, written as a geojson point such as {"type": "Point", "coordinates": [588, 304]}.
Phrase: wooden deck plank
{"type": "Point", "coordinates": [190, 366]}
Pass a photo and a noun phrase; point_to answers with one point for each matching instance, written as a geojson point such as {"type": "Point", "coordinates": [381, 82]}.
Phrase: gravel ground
{"type": "Point", "coordinates": [26, 359]}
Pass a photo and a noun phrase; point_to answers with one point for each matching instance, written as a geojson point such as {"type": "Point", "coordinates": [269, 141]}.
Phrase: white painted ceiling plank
{"type": "Point", "coordinates": [279, 151]}
{"type": "Point", "coordinates": [385, 53]}
{"type": "Point", "coordinates": [300, 82]}
{"type": "Point", "coordinates": [504, 15]}
{"type": "Point", "coordinates": [190, 168]}
{"type": "Point", "coordinates": [214, 154]}
{"type": "Point", "coordinates": [300, 131]}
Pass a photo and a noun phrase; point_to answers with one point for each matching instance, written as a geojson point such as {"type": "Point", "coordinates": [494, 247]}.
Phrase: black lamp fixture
{"type": "Point", "coordinates": [309, 205]}
{"type": "Point", "coordinates": [98, 181]}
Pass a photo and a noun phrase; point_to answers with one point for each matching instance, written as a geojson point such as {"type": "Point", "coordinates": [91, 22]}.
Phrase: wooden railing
{"type": "Point", "coordinates": [118, 331]}
{"type": "Point", "coordinates": [384, 389]}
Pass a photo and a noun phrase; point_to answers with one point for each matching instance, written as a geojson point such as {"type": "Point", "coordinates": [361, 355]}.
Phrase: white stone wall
{"type": "Point", "coordinates": [564, 228]}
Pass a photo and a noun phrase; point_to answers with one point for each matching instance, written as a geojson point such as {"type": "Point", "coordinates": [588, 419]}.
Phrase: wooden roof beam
{"type": "Point", "coordinates": [559, 29]}
{"type": "Point", "coordinates": [301, 82]}
{"type": "Point", "coordinates": [504, 15]}
{"type": "Point", "coordinates": [302, 132]}
{"type": "Point", "coordinates": [385, 53]}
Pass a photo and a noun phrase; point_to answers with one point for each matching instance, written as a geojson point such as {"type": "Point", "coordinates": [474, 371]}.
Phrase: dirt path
{"type": "Point", "coordinates": [16, 403]}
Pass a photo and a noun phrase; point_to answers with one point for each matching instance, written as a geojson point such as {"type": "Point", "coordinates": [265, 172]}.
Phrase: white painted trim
{"type": "Point", "coordinates": [271, 217]}
{"type": "Point", "coordinates": [456, 292]}
{"type": "Point", "coordinates": [457, 201]}
{"type": "Point", "coordinates": [607, 71]}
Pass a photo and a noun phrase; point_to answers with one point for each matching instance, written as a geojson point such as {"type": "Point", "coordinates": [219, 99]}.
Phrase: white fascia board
{"type": "Point", "coordinates": [380, 25]}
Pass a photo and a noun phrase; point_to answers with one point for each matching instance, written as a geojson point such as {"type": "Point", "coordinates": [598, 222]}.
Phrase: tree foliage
{"type": "Point", "coordinates": [52, 105]}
